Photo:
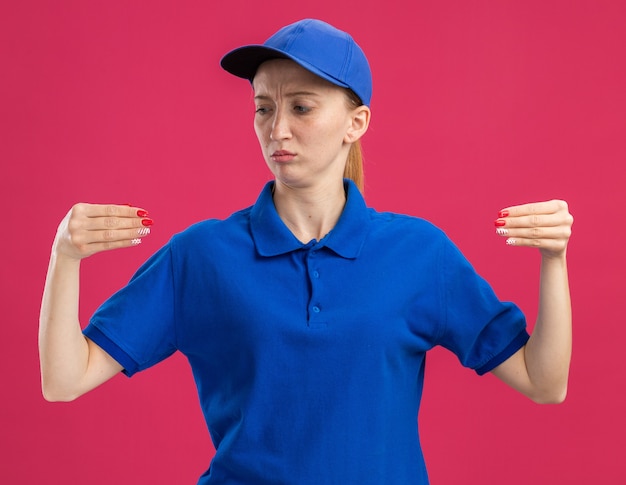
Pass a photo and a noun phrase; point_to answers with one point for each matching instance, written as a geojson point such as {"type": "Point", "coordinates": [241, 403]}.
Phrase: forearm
{"type": "Point", "coordinates": [63, 349]}
{"type": "Point", "coordinates": [70, 363]}
{"type": "Point", "coordinates": [548, 352]}
{"type": "Point", "coordinates": [540, 369]}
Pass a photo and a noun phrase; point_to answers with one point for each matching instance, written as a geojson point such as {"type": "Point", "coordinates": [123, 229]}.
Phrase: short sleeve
{"type": "Point", "coordinates": [479, 328]}
{"type": "Point", "coordinates": [136, 326]}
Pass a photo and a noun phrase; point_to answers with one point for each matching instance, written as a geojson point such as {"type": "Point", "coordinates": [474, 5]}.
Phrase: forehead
{"type": "Point", "coordinates": [285, 72]}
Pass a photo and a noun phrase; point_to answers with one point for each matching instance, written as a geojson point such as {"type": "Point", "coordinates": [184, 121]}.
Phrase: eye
{"type": "Point", "coordinates": [301, 109]}
{"type": "Point", "coordinates": [262, 110]}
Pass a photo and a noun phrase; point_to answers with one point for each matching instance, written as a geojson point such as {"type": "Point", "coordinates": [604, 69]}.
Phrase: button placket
{"type": "Point", "coordinates": [316, 314]}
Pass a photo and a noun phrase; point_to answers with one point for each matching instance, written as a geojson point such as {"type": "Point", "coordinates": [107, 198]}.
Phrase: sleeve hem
{"type": "Point", "coordinates": [94, 333]}
{"type": "Point", "coordinates": [517, 343]}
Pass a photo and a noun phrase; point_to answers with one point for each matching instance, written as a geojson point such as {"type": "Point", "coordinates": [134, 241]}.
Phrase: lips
{"type": "Point", "coordinates": [282, 156]}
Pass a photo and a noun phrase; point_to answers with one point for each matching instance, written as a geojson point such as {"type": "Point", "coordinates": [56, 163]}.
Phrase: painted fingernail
{"type": "Point", "coordinates": [147, 222]}
{"type": "Point", "coordinates": [499, 223]}
{"type": "Point", "coordinates": [510, 241]}
{"type": "Point", "coordinates": [503, 213]}
{"type": "Point", "coordinates": [142, 213]}
{"type": "Point", "coordinates": [501, 231]}
{"type": "Point", "coordinates": [134, 242]}
{"type": "Point", "coordinates": [144, 231]}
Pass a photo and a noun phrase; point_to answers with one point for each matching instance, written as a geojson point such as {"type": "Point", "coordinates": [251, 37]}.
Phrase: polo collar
{"type": "Point", "coordinates": [272, 237]}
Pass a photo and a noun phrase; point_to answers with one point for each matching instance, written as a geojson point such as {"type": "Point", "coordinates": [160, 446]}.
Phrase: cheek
{"type": "Point", "coordinates": [336, 131]}
{"type": "Point", "coordinates": [260, 134]}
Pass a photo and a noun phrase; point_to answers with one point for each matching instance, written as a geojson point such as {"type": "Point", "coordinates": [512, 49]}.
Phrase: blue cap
{"type": "Point", "coordinates": [318, 47]}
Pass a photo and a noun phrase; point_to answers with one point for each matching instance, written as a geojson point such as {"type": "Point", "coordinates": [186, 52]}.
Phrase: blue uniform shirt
{"type": "Point", "coordinates": [309, 358]}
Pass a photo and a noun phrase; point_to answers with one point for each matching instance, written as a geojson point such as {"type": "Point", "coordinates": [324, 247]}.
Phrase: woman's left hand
{"type": "Point", "coordinates": [543, 225]}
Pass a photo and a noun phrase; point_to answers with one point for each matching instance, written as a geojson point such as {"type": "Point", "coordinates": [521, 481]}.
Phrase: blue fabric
{"type": "Point", "coordinates": [309, 358]}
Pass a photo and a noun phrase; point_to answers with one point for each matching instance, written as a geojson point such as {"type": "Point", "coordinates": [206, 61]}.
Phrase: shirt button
{"type": "Point", "coordinates": [316, 274]}
{"type": "Point", "coordinates": [316, 309]}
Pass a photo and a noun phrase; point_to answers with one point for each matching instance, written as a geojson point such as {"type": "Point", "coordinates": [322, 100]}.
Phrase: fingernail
{"type": "Point", "coordinates": [503, 213]}
{"type": "Point", "coordinates": [142, 213]}
{"type": "Point", "coordinates": [499, 223]}
{"type": "Point", "coordinates": [144, 231]}
{"type": "Point", "coordinates": [510, 241]}
{"type": "Point", "coordinates": [502, 231]}
{"type": "Point", "coordinates": [134, 242]}
{"type": "Point", "coordinates": [147, 222]}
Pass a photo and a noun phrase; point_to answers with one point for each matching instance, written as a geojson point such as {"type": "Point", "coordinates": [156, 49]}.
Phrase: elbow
{"type": "Point", "coordinates": [552, 396]}
{"type": "Point", "coordinates": [53, 393]}
{"type": "Point", "coordinates": [58, 397]}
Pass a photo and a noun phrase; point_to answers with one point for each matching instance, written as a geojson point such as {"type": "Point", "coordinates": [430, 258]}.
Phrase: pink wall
{"type": "Point", "coordinates": [477, 105]}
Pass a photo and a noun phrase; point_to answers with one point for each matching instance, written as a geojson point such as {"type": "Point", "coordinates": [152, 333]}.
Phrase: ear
{"type": "Point", "coordinates": [359, 121]}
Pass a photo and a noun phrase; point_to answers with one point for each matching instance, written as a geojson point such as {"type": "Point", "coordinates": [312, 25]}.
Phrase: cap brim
{"type": "Point", "coordinates": [244, 61]}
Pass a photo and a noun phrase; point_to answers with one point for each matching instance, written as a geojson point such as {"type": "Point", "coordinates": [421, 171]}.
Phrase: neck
{"type": "Point", "coordinates": [310, 213]}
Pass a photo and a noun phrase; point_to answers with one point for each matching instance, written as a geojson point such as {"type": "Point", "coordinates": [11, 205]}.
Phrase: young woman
{"type": "Point", "coordinates": [306, 317]}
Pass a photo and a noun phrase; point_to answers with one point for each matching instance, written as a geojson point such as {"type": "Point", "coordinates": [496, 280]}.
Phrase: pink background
{"type": "Point", "coordinates": [477, 105]}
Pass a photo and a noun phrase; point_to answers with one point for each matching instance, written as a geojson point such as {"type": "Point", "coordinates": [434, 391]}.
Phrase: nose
{"type": "Point", "coordinates": [280, 127]}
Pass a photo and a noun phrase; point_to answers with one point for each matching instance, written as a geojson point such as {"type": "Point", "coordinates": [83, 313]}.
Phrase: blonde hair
{"type": "Point", "coordinates": [354, 164]}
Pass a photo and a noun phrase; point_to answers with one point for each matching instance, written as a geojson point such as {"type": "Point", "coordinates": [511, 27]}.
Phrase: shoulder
{"type": "Point", "coordinates": [405, 238]}
{"type": "Point", "coordinates": [407, 226]}
{"type": "Point", "coordinates": [210, 232]}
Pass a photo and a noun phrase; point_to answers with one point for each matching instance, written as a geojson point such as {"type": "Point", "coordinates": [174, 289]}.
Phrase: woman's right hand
{"type": "Point", "coordinates": [71, 364]}
{"type": "Point", "coordinates": [88, 229]}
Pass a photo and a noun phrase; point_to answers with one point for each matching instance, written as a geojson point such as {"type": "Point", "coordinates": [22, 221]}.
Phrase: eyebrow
{"type": "Point", "coordinates": [294, 94]}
